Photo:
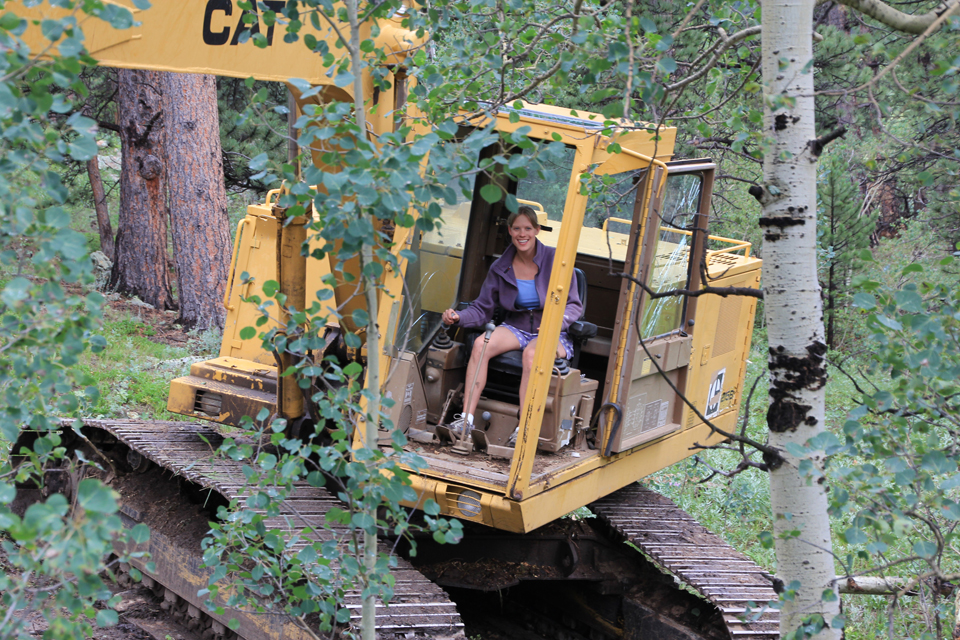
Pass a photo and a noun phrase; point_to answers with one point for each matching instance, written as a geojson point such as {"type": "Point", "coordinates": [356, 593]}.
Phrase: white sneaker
{"type": "Point", "coordinates": [456, 426]}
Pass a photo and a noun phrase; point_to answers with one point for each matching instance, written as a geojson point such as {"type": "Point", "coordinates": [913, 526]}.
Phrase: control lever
{"type": "Point", "coordinates": [440, 339]}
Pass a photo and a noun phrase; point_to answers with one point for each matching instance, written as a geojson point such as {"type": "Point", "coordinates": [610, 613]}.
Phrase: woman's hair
{"type": "Point", "coordinates": [524, 211]}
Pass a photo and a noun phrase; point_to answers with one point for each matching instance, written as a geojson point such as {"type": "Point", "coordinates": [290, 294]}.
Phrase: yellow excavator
{"type": "Point", "coordinates": [648, 376]}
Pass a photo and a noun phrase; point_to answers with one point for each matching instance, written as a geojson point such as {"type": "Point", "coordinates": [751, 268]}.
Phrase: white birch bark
{"type": "Point", "coordinates": [794, 313]}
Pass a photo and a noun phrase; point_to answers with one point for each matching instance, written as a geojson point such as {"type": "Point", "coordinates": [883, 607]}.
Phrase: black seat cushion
{"type": "Point", "coordinates": [511, 363]}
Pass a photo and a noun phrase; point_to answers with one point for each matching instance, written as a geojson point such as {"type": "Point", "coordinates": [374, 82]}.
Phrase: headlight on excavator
{"type": "Point", "coordinates": [466, 501]}
{"type": "Point", "coordinates": [208, 403]}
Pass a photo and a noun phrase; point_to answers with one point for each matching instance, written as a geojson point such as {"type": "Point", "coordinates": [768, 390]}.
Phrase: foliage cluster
{"type": "Point", "coordinates": [54, 558]}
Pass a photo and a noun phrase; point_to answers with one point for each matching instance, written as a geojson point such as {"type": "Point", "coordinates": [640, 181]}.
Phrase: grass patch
{"type": "Point", "coordinates": [133, 373]}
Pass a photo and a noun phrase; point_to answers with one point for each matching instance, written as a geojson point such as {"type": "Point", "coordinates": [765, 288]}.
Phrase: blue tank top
{"type": "Point", "coordinates": [527, 297]}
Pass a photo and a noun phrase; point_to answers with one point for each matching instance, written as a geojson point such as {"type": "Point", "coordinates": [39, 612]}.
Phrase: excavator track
{"type": "Point", "coordinates": [419, 608]}
{"type": "Point", "coordinates": [682, 546]}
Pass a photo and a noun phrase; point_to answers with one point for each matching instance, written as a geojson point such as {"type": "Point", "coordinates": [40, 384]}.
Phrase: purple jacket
{"type": "Point", "coordinates": [500, 289]}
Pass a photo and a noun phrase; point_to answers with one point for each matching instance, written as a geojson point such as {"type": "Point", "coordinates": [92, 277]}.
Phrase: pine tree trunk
{"type": "Point", "coordinates": [198, 200]}
{"type": "Point", "coordinates": [104, 227]}
{"type": "Point", "coordinates": [140, 267]}
{"type": "Point", "coordinates": [794, 314]}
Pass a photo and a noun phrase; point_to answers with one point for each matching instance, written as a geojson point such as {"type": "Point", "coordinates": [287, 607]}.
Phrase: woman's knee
{"type": "Point", "coordinates": [528, 354]}
{"type": "Point", "coordinates": [477, 349]}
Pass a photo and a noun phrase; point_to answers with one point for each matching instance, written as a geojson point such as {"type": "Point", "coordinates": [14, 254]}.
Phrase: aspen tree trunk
{"type": "Point", "coordinates": [794, 313]}
{"type": "Point", "coordinates": [368, 612]}
{"type": "Point", "coordinates": [198, 199]}
{"type": "Point", "coordinates": [140, 267]}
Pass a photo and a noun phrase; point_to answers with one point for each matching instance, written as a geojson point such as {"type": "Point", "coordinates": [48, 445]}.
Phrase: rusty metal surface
{"type": "Point", "coordinates": [419, 608]}
{"type": "Point", "coordinates": [701, 559]}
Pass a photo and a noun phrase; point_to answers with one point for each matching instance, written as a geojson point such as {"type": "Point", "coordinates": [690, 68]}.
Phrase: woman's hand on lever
{"type": "Point", "coordinates": [450, 317]}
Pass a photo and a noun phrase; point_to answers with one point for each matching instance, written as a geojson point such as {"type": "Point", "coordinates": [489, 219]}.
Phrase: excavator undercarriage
{"type": "Point", "coordinates": [639, 568]}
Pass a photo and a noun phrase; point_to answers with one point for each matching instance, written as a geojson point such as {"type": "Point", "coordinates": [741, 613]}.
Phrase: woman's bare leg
{"type": "Point", "coordinates": [528, 353]}
{"type": "Point", "coordinates": [501, 341]}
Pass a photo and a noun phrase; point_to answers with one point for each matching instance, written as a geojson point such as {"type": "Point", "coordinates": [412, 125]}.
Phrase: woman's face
{"type": "Point", "coordinates": [523, 234]}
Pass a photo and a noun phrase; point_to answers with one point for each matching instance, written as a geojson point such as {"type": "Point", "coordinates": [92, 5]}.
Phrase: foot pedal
{"type": "Point", "coordinates": [445, 434]}
{"type": "Point", "coordinates": [479, 439]}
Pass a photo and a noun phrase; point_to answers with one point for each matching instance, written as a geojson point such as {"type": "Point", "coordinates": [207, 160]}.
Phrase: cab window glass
{"type": "Point", "coordinates": [432, 279]}
{"type": "Point", "coordinates": [670, 265]}
{"type": "Point", "coordinates": [609, 214]}
{"type": "Point", "coordinates": [547, 181]}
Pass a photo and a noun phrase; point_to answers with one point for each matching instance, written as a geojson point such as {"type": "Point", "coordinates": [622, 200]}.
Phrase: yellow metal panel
{"type": "Point", "coordinates": [256, 254]}
{"type": "Point", "coordinates": [202, 37]}
{"type": "Point", "coordinates": [549, 334]}
{"type": "Point", "coordinates": [576, 486]}
{"type": "Point", "coordinates": [653, 191]}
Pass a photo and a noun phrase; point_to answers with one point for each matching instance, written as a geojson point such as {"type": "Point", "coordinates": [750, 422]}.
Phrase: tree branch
{"type": "Point", "coordinates": [725, 44]}
{"type": "Point", "coordinates": [919, 24]}
{"type": "Point", "coordinates": [720, 291]}
{"type": "Point", "coordinates": [933, 28]}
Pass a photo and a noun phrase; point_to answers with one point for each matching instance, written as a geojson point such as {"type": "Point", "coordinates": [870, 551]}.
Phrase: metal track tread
{"type": "Point", "coordinates": [419, 608]}
{"type": "Point", "coordinates": [687, 549]}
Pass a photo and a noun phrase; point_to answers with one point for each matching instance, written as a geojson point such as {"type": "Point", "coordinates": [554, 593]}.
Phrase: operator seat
{"type": "Point", "coordinates": [510, 364]}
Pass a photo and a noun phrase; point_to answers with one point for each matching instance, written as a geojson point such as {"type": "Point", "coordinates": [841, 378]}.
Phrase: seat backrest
{"type": "Point", "coordinates": [582, 290]}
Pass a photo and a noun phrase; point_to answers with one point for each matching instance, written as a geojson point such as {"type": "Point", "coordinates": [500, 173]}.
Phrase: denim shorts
{"type": "Point", "coordinates": [525, 338]}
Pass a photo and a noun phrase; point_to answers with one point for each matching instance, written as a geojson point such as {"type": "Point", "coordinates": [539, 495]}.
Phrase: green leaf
{"type": "Point", "coordinates": [9, 22]}
{"type": "Point", "coordinates": [667, 65]}
{"type": "Point", "coordinates": [491, 193]}
{"type": "Point", "coordinates": [343, 79]}
{"type": "Point", "coordinates": [431, 508]}
{"type": "Point", "coordinates": [951, 510]}
{"type": "Point", "coordinates": [7, 493]}
{"type": "Point", "coordinates": [16, 290]}
{"type": "Point", "coordinates": [937, 462]}
{"type": "Point", "coordinates": [140, 534]}
{"type": "Point", "coordinates": [855, 535]}
{"type": "Point", "coordinates": [913, 267]}
{"type": "Point", "coordinates": [925, 548]}
{"type": "Point", "coordinates": [363, 521]}
{"type": "Point", "coordinates": [648, 25]}
{"type": "Point", "coordinates": [889, 323]}
{"type": "Point", "coordinates": [93, 495]}
{"type": "Point", "coordinates": [909, 300]}
{"type": "Point", "coordinates": [247, 333]}
{"type": "Point", "coordinates": [270, 288]}
{"type": "Point", "coordinates": [107, 618]}
{"type": "Point", "coordinates": [307, 555]}
{"type": "Point", "coordinates": [865, 301]}
{"type": "Point", "coordinates": [361, 317]}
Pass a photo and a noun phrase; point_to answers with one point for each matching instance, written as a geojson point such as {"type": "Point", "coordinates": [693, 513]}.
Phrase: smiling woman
{"type": "Point", "coordinates": [517, 282]}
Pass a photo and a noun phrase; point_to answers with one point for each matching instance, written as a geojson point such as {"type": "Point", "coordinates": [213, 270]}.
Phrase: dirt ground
{"type": "Point", "coordinates": [164, 323]}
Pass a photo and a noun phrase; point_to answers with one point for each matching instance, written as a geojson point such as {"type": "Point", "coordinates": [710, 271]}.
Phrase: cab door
{"type": "Point", "coordinates": [652, 338]}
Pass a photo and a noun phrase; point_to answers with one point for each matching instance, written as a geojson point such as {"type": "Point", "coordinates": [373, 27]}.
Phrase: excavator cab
{"type": "Point", "coordinates": [646, 370]}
